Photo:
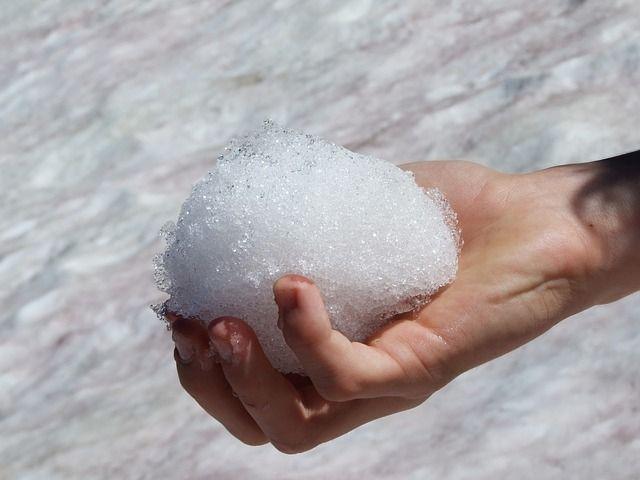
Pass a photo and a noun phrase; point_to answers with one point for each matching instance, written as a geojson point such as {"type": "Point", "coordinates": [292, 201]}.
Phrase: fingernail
{"type": "Point", "coordinates": [184, 348]}
{"type": "Point", "coordinates": [299, 278]}
{"type": "Point", "coordinates": [283, 312]}
{"type": "Point", "coordinates": [220, 340]}
{"type": "Point", "coordinates": [286, 304]}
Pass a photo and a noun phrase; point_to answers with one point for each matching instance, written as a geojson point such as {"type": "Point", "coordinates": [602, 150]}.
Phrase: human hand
{"type": "Point", "coordinates": [529, 260]}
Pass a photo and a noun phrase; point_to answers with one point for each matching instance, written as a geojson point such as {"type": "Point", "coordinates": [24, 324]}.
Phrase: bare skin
{"type": "Point", "coordinates": [538, 248]}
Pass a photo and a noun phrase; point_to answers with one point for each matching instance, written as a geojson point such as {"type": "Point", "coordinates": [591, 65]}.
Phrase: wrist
{"type": "Point", "coordinates": [603, 199]}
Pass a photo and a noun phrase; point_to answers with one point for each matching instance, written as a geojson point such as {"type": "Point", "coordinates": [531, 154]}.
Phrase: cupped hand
{"type": "Point", "coordinates": [524, 266]}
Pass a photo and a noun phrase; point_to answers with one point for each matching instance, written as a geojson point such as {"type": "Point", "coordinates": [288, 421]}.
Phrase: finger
{"type": "Point", "coordinates": [294, 420]}
{"type": "Point", "coordinates": [212, 392]}
{"type": "Point", "coordinates": [339, 369]}
{"type": "Point", "coordinates": [272, 401]}
{"type": "Point", "coordinates": [328, 420]}
{"type": "Point", "coordinates": [191, 340]}
{"type": "Point", "coordinates": [340, 420]}
{"type": "Point", "coordinates": [208, 385]}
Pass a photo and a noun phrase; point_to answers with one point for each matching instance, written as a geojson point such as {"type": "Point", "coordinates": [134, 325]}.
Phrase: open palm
{"type": "Point", "coordinates": [523, 261]}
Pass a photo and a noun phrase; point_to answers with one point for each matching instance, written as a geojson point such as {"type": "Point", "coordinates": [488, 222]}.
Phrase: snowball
{"type": "Point", "coordinates": [279, 201]}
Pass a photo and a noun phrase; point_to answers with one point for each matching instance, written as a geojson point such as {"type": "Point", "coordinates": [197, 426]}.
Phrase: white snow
{"type": "Point", "coordinates": [279, 201]}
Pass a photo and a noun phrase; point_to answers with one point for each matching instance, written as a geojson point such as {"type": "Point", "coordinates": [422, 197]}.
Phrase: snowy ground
{"type": "Point", "coordinates": [109, 111]}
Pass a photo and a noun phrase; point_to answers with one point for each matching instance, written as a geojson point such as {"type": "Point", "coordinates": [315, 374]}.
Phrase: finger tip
{"type": "Point", "coordinates": [296, 278]}
{"type": "Point", "coordinates": [284, 293]}
{"type": "Point", "coordinates": [290, 287]}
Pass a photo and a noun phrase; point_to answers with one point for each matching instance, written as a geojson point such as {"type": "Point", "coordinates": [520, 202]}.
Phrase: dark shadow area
{"type": "Point", "coordinates": [609, 205]}
{"type": "Point", "coordinates": [616, 183]}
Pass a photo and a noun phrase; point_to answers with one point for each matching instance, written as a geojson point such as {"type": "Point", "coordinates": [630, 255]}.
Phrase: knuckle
{"type": "Point", "coordinates": [297, 444]}
{"type": "Point", "coordinates": [301, 438]}
{"type": "Point", "coordinates": [298, 337]}
{"type": "Point", "coordinates": [251, 438]}
{"type": "Point", "coordinates": [252, 403]}
{"type": "Point", "coordinates": [425, 359]}
{"type": "Point", "coordinates": [337, 389]}
{"type": "Point", "coordinates": [438, 366]}
{"type": "Point", "coordinates": [288, 448]}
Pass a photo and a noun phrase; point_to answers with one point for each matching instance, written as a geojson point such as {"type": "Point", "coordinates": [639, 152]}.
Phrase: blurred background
{"type": "Point", "coordinates": [111, 110]}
